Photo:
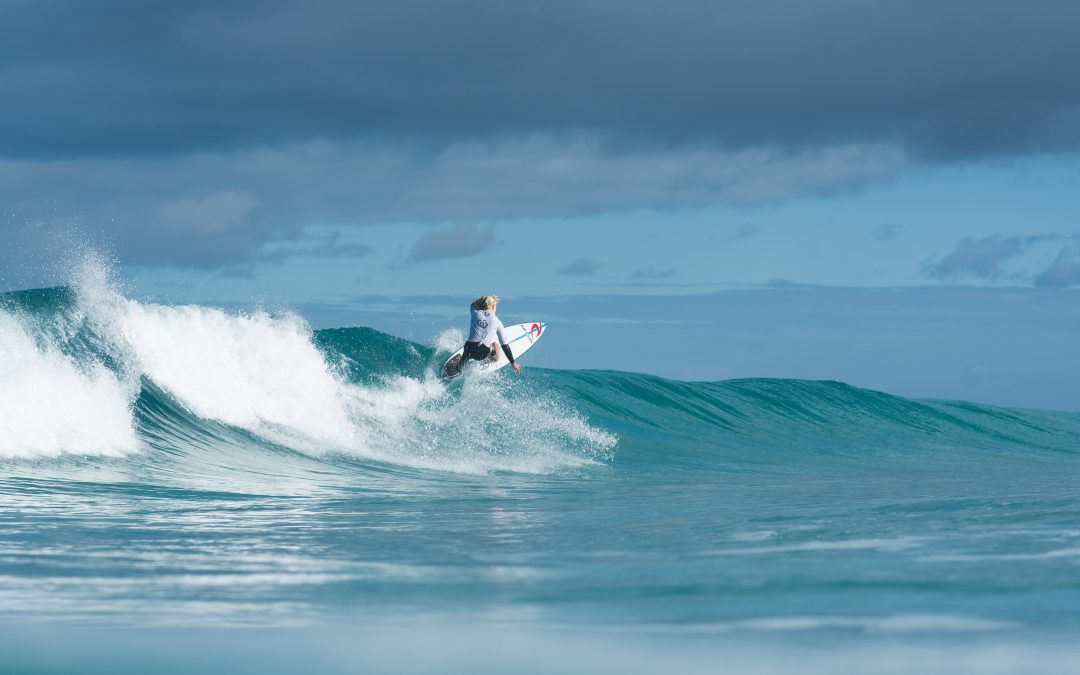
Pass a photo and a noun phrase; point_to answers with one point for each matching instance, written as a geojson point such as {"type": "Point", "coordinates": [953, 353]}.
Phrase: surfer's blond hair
{"type": "Point", "coordinates": [485, 301]}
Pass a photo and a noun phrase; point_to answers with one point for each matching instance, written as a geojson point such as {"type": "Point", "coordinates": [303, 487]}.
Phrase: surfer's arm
{"type": "Point", "coordinates": [506, 348]}
{"type": "Point", "coordinates": [510, 357]}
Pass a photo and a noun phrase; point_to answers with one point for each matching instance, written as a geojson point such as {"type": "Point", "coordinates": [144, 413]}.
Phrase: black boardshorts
{"type": "Point", "coordinates": [476, 351]}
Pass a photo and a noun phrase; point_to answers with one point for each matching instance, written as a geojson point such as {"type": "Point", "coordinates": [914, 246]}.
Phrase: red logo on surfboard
{"type": "Point", "coordinates": [535, 331]}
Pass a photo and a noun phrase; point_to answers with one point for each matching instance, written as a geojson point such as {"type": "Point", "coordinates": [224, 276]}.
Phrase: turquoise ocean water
{"type": "Point", "coordinates": [187, 490]}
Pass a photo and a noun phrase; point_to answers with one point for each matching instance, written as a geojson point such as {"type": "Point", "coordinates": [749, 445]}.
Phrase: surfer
{"type": "Point", "coordinates": [483, 327]}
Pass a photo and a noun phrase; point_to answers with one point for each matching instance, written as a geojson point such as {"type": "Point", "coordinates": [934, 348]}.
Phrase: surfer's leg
{"type": "Point", "coordinates": [495, 353]}
{"type": "Point", "coordinates": [476, 351]}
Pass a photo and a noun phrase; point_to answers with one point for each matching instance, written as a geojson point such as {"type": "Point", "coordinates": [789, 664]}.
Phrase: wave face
{"type": "Point", "coordinates": [182, 465]}
{"type": "Point", "coordinates": [91, 372]}
{"type": "Point", "coordinates": [87, 371]}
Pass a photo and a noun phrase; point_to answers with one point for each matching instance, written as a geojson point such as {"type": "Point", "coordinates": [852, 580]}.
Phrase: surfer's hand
{"type": "Point", "coordinates": [517, 366]}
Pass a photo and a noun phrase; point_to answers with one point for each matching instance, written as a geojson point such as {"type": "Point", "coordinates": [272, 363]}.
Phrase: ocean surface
{"type": "Point", "coordinates": [184, 489]}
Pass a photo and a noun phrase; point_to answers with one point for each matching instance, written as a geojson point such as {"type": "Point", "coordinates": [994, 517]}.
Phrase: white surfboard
{"type": "Point", "coordinates": [520, 338]}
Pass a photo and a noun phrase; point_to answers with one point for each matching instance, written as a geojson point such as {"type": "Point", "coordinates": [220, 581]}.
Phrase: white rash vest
{"type": "Point", "coordinates": [484, 327]}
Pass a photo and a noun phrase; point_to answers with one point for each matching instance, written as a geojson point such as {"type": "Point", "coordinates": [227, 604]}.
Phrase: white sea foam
{"type": "Point", "coordinates": [251, 371]}
{"type": "Point", "coordinates": [1071, 552]}
{"type": "Point", "coordinates": [449, 340]}
{"type": "Point", "coordinates": [264, 374]}
{"type": "Point", "coordinates": [51, 405]}
{"type": "Point", "coordinates": [899, 623]}
{"type": "Point", "coordinates": [486, 427]}
{"type": "Point", "coordinates": [894, 544]}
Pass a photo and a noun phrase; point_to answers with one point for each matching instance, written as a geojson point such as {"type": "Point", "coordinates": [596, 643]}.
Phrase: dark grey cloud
{"type": "Point", "coordinates": [461, 240]}
{"type": "Point", "coordinates": [142, 232]}
{"type": "Point", "coordinates": [941, 78]}
{"type": "Point", "coordinates": [980, 258]}
{"type": "Point", "coordinates": [651, 274]}
{"type": "Point", "coordinates": [1065, 271]}
{"type": "Point", "coordinates": [213, 210]}
{"type": "Point", "coordinates": [581, 267]}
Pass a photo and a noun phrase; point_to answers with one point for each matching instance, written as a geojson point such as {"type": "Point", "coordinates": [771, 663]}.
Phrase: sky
{"type": "Point", "coordinates": [886, 193]}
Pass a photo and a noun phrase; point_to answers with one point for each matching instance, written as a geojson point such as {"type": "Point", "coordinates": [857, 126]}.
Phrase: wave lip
{"type": "Point", "coordinates": [87, 371]}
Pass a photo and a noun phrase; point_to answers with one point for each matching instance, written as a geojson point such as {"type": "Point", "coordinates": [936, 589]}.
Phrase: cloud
{"type": "Point", "coordinates": [209, 210]}
{"type": "Point", "coordinates": [333, 249]}
{"type": "Point", "coordinates": [1065, 271]}
{"type": "Point", "coordinates": [887, 232]}
{"type": "Point", "coordinates": [742, 232]}
{"type": "Point", "coordinates": [582, 267]}
{"type": "Point", "coordinates": [651, 273]}
{"type": "Point", "coordinates": [119, 77]}
{"type": "Point", "coordinates": [980, 258]}
{"type": "Point", "coordinates": [326, 246]}
{"type": "Point", "coordinates": [461, 240]}
{"type": "Point", "coordinates": [214, 213]}
{"type": "Point", "coordinates": [787, 284]}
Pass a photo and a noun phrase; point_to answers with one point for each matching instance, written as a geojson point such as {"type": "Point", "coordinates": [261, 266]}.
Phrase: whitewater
{"type": "Point", "coordinates": [234, 487]}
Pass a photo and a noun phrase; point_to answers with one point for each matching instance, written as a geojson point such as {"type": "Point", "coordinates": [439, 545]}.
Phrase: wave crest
{"type": "Point", "coordinates": [268, 376]}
